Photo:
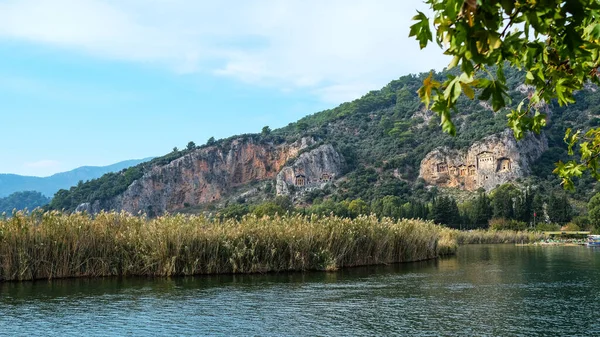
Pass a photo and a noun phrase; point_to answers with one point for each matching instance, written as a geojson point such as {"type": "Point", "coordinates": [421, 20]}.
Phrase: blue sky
{"type": "Point", "coordinates": [93, 82]}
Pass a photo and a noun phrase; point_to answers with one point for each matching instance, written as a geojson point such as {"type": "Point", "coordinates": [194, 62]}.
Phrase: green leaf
{"type": "Point", "coordinates": [529, 76]}
{"type": "Point", "coordinates": [452, 92]}
{"type": "Point", "coordinates": [467, 90]}
{"type": "Point", "coordinates": [539, 121]}
{"type": "Point", "coordinates": [447, 125]}
{"type": "Point", "coordinates": [508, 6]}
{"type": "Point", "coordinates": [454, 62]}
{"type": "Point", "coordinates": [421, 30]}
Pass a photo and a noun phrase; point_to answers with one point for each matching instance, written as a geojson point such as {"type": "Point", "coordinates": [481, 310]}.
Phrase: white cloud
{"type": "Point", "coordinates": [46, 163]}
{"type": "Point", "coordinates": [335, 48]}
{"type": "Point", "coordinates": [41, 167]}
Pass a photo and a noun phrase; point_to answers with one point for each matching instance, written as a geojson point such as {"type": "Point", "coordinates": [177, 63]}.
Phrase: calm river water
{"type": "Point", "coordinates": [500, 290]}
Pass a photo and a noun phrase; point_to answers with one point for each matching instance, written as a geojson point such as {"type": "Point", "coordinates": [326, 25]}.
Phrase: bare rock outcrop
{"type": "Point", "coordinates": [202, 176]}
{"type": "Point", "coordinates": [312, 169]}
{"type": "Point", "coordinates": [493, 161]}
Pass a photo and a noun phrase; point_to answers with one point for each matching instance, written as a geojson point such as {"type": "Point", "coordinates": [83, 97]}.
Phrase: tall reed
{"type": "Point", "coordinates": [480, 236]}
{"type": "Point", "coordinates": [54, 245]}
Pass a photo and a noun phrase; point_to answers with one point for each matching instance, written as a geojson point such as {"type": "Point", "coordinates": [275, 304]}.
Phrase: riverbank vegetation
{"type": "Point", "coordinates": [480, 236]}
{"type": "Point", "coordinates": [510, 207]}
{"type": "Point", "coordinates": [54, 245]}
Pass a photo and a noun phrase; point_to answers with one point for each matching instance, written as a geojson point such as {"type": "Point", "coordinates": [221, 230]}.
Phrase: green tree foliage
{"type": "Point", "coordinates": [507, 224]}
{"type": "Point", "coordinates": [302, 126]}
{"type": "Point", "coordinates": [402, 131]}
{"type": "Point", "coordinates": [210, 141]}
{"type": "Point", "coordinates": [510, 202]}
{"type": "Point", "coordinates": [503, 201]}
{"type": "Point", "coordinates": [268, 209]}
{"type": "Point", "coordinates": [22, 200]}
{"type": "Point", "coordinates": [444, 210]}
{"type": "Point", "coordinates": [266, 130]}
{"type": "Point", "coordinates": [538, 208]}
{"type": "Point", "coordinates": [284, 202]}
{"type": "Point", "coordinates": [559, 210]}
{"type": "Point", "coordinates": [556, 43]}
{"type": "Point", "coordinates": [482, 210]}
{"type": "Point", "coordinates": [358, 207]}
{"type": "Point", "coordinates": [268, 188]}
{"type": "Point", "coordinates": [233, 211]}
{"type": "Point", "coordinates": [329, 207]}
{"type": "Point", "coordinates": [524, 206]}
{"type": "Point", "coordinates": [547, 227]}
{"type": "Point", "coordinates": [594, 210]}
{"type": "Point", "coordinates": [191, 146]}
{"type": "Point", "coordinates": [391, 206]}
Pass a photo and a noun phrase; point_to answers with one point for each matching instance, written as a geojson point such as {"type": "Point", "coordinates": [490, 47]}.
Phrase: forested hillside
{"type": "Point", "coordinates": [22, 200]}
{"type": "Point", "coordinates": [383, 137]}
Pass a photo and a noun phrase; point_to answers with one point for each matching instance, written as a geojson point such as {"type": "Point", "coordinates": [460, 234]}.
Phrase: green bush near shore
{"type": "Point", "coordinates": [54, 245]}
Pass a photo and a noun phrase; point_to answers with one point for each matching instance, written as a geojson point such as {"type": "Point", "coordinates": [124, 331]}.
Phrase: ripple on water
{"type": "Point", "coordinates": [525, 293]}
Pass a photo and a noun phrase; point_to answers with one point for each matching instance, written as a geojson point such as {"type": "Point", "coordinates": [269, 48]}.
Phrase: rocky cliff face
{"type": "Point", "coordinates": [202, 176]}
{"type": "Point", "coordinates": [495, 160]}
{"type": "Point", "coordinates": [312, 169]}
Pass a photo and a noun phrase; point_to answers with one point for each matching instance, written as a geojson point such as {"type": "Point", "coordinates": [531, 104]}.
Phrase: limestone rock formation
{"type": "Point", "coordinates": [493, 161]}
{"type": "Point", "coordinates": [202, 176]}
{"type": "Point", "coordinates": [312, 169]}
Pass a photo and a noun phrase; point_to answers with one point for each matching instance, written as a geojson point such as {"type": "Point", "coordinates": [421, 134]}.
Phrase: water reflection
{"type": "Point", "coordinates": [485, 290]}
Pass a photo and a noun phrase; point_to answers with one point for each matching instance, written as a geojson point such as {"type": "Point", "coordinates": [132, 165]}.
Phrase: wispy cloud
{"type": "Point", "coordinates": [46, 163]}
{"type": "Point", "coordinates": [333, 48]}
{"type": "Point", "coordinates": [41, 168]}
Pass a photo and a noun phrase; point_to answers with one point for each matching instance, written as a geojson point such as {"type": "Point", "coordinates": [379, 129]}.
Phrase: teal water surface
{"type": "Point", "coordinates": [495, 290]}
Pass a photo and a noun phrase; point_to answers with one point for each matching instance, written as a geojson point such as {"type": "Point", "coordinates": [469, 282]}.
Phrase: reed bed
{"type": "Point", "coordinates": [54, 245]}
{"type": "Point", "coordinates": [480, 236]}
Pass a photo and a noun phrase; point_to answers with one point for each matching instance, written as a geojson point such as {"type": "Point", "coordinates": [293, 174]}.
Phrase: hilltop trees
{"type": "Point", "coordinates": [22, 200]}
{"type": "Point", "coordinates": [266, 130]}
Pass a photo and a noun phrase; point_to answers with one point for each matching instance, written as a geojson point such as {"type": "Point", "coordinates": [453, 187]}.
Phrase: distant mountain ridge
{"type": "Point", "coordinates": [48, 186]}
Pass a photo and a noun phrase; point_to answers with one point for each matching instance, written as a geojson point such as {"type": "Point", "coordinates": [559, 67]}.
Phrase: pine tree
{"type": "Point", "coordinates": [503, 201]}
{"type": "Point", "coordinates": [538, 208]}
{"type": "Point", "coordinates": [444, 210]}
{"type": "Point", "coordinates": [524, 206]}
{"type": "Point", "coordinates": [454, 219]}
{"type": "Point", "coordinates": [559, 210]}
{"type": "Point", "coordinates": [482, 212]}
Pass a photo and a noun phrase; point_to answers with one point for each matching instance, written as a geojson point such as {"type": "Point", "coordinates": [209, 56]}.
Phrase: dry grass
{"type": "Point", "coordinates": [481, 236]}
{"type": "Point", "coordinates": [54, 245]}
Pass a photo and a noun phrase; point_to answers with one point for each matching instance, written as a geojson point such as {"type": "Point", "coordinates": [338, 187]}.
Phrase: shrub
{"type": "Point", "coordinates": [571, 227]}
{"type": "Point", "coordinates": [547, 227]}
{"type": "Point", "coordinates": [582, 221]}
{"type": "Point", "coordinates": [504, 224]}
